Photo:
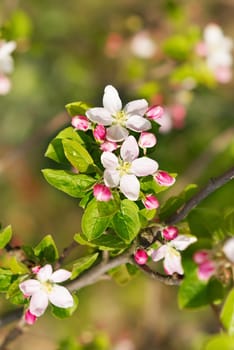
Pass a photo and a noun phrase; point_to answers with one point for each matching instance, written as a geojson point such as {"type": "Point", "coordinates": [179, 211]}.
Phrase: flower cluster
{"type": "Point", "coordinates": [123, 136]}
{"type": "Point", "coordinates": [44, 289]}
{"type": "Point", "coordinates": [6, 65]}
{"type": "Point", "coordinates": [216, 48]}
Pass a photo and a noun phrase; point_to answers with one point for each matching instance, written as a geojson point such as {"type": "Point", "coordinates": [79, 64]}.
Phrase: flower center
{"type": "Point", "coordinates": [120, 118]}
{"type": "Point", "coordinates": [47, 286]}
{"type": "Point", "coordinates": [124, 167]}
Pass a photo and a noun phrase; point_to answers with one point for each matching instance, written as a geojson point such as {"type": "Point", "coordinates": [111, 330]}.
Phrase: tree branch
{"type": "Point", "coordinates": [212, 186]}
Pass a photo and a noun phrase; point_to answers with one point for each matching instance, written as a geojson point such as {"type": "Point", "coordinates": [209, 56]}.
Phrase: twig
{"type": "Point", "coordinates": [212, 186]}
{"type": "Point", "coordinates": [65, 253]}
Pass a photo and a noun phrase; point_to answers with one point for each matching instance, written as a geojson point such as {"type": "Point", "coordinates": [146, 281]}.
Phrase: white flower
{"type": "Point", "coordinates": [44, 289]}
{"type": "Point", "coordinates": [142, 45]}
{"type": "Point", "coordinates": [123, 171]}
{"type": "Point", "coordinates": [6, 61]}
{"type": "Point", "coordinates": [169, 252]}
{"type": "Point", "coordinates": [119, 120]}
{"type": "Point", "coordinates": [228, 249]}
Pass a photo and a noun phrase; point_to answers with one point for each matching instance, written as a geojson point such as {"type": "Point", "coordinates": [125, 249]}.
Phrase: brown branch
{"type": "Point", "coordinates": [211, 187]}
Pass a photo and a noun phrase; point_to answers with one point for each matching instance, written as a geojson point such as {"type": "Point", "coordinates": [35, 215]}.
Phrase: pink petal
{"type": "Point", "coordinates": [130, 187]}
{"type": "Point", "coordinates": [109, 160]}
{"type": "Point", "coordinates": [228, 249]}
{"type": "Point", "coordinates": [38, 303]}
{"type": "Point", "coordinates": [141, 256]}
{"type": "Point", "coordinates": [155, 112]}
{"type": "Point", "coordinates": [61, 297]}
{"type": "Point", "coordinates": [147, 140]}
{"type": "Point", "coordinates": [5, 85]}
{"type": "Point", "coordinates": [29, 287]}
{"type": "Point", "coordinates": [99, 133]}
{"type": "Point", "coordinates": [129, 149]}
{"type": "Point", "coordinates": [170, 233]}
{"type": "Point", "coordinates": [172, 262]}
{"type": "Point", "coordinates": [116, 133]}
{"type": "Point", "coordinates": [30, 318]}
{"type": "Point", "coordinates": [144, 166]}
{"type": "Point", "coordinates": [151, 202]}
{"type": "Point", "coordinates": [45, 273]}
{"type": "Point", "coordinates": [138, 124]}
{"type": "Point", "coordinates": [181, 242]}
{"type": "Point", "coordinates": [206, 270]}
{"type": "Point", "coordinates": [111, 100]}
{"type": "Point", "coordinates": [108, 146]}
{"type": "Point", "coordinates": [137, 107]}
{"type": "Point", "coordinates": [200, 257]}
{"type": "Point", "coordinates": [60, 275]}
{"type": "Point", "coordinates": [111, 178]}
{"type": "Point", "coordinates": [80, 122]}
{"type": "Point", "coordinates": [99, 115]}
{"type": "Point", "coordinates": [164, 179]}
{"type": "Point", "coordinates": [159, 253]}
{"type": "Point", "coordinates": [102, 193]}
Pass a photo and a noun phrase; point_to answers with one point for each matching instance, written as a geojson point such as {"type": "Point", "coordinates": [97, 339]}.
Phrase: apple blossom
{"type": "Point", "coordinates": [163, 178]}
{"type": "Point", "coordinates": [141, 256]}
{"type": "Point", "coordinates": [123, 171]}
{"type": "Point", "coordinates": [171, 255]}
{"type": "Point", "coordinates": [45, 289]}
{"type": "Point", "coordinates": [147, 140]}
{"type": "Point", "coordinates": [29, 318]}
{"type": "Point", "coordinates": [108, 146]}
{"type": "Point", "coordinates": [99, 133]}
{"type": "Point", "coordinates": [102, 193]}
{"type": "Point", "coordinates": [5, 84]}
{"type": "Point", "coordinates": [206, 266]}
{"type": "Point", "coordinates": [118, 119]}
{"type": "Point", "coordinates": [6, 61]}
{"type": "Point", "coordinates": [155, 113]}
{"type": "Point", "coordinates": [80, 122]}
{"type": "Point", "coordinates": [142, 45]}
{"type": "Point", "coordinates": [150, 202]}
{"type": "Point", "coordinates": [228, 249]}
{"type": "Point", "coordinates": [170, 232]}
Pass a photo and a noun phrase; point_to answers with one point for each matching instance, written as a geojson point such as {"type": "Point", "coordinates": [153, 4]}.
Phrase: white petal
{"type": "Point", "coordinates": [111, 178]}
{"type": "Point", "coordinates": [29, 287]}
{"type": "Point", "coordinates": [111, 100]}
{"type": "Point", "coordinates": [172, 262]}
{"type": "Point", "coordinates": [138, 107]}
{"type": "Point", "coordinates": [130, 187]}
{"type": "Point", "coordinates": [181, 242]}
{"type": "Point", "coordinates": [61, 297]}
{"type": "Point", "coordinates": [109, 160]}
{"type": "Point", "coordinates": [7, 48]}
{"type": "Point", "coordinates": [99, 115]}
{"type": "Point", "coordinates": [138, 124]}
{"type": "Point", "coordinates": [228, 249]}
{"type": "Point", "coordinates": [144, 166]}
{"type": "Point", "coordinates": [159, 253]}
{"type": "Point", "coordinates": [129, 149]}
{"type": "Point", "coordinates": [60, 275]}
{"type": "Point", "coordinates": [116, 133]}
{"type": "Point", "coordinates": [45, 273]}
{"type": "Point", "coordinates": [38, 303]}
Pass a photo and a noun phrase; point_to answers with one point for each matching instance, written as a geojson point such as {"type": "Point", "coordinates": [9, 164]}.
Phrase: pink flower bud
{"type": "Point", "coordinates": [141, 257]}
{"type": "Point", "coordinates": [147, 140]}
{"type": "Point", "coordinates": [36, 269]}
{"type": "Point", "coordinates": [206, 270]}
{"type": "Point", "coordinates": [170, 232]}
{"type": "Point", "coordinates": [151, 202]}
{"type": "Point", "coordinates": [108, 146]}
{"type": "Point", "coordinates": [30, 318]}
{"type": "Point", "coordinates": [99, 132]}
{"type": "Point", "coordinates": [80, 122]}
{"type": "Point", "coordinates": [102, 193]}
{"type": "Point", "coordinates": [200, 257]}
{"type": "Point", "coordinates": [155, 112]}
{"type": "Point", "coordinates": [164, 179]}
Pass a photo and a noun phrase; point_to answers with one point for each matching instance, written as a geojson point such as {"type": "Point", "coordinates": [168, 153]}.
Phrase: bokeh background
{"type": "Point", "coordinates": [68, 51]}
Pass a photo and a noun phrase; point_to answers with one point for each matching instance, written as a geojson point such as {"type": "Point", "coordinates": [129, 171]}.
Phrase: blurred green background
{"type": "Point", "coordinates": [62, 56]}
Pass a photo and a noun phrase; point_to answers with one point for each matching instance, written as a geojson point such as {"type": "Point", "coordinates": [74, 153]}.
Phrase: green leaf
{"type": "Point", "coordinates": [55, 149]}
{"type": "Point", "coordinates": [46, 250]}
{"type": "Point", "coordinates": [107, 241]}
{"type": "Point", "coordinates": [5, 279]}
{"type": "Point", "coordinates": [146, 215]}
{"type": "Point", "coordinates": [227, 314]}
{"type": "Point", "coordinates": [74, 185]}
{"type": "Point", "coordinates": [121, 274]}
{"type": "Point", "coordinates": [17, 267]}
{"type": "Point", "coordinates": [77, 155]}
{"type": "Point", "coordinates": [14, 294]}
{"type": "Point", "coordinates": [93, 225]}
{"type": "Point", "coordinates": [83, 264]}
{"type": "Point", "coordinates": [218, 342]}
{"type": "Point", "coordinates": [77, 108]}
{"type": "Point", "coordinates": [5, 236]}
{"type": "Point", "coordinates": [62, 313]}
{"type": "Point", "coordinates": [126, 222]}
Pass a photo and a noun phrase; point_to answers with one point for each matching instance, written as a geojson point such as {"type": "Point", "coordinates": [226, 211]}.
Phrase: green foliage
{"type": "Point", "coordinates": [46, 250]}
{"type": "Point", "coordinates": [6, 276]}
{"type": "Point", "coordinates": [14, 294]}
{"type": "Point", "coordinates": [75, 185]}
{"type": "Point", "coordinates": [222, 341]}
{"type": "Point", "coordinates": [82, 264]}
{"type": "Point", "coordinates": [62, 313]}
{"type": "Point", "coordinates": [126, 222]}
{"type": "Point", "coordinates": [77, 108]}
{"type": "Point", "coordinates": [77, 155]}
{"type": "Point", "coordinates": [227, 314]}
{"type": "Point", "coordinates": [108, 241]}
{"type": "Point", "coordinates": [123, 273]}
{"type": "Point", "coordinates": [5, 236]}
